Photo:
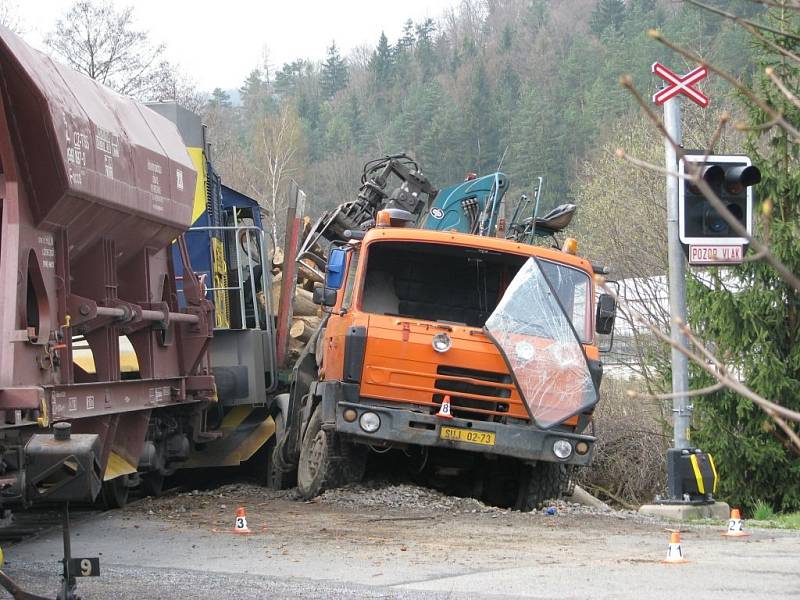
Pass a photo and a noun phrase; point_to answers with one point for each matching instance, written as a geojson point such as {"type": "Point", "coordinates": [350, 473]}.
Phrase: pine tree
{"type": "Point", "coordinates": [752, 317]}
{"type": "Point", "coordinates": [286, 80]}
{"type": "Point", "coordinates": [425, 56]}
{"type": "Point", "coordinates": [219, 99]}
{"type": "Point", "coordinates": [406, 42]}
{"type": "Point", "coordinates": [334, 75]}
{"type": "Point", "coordinates": [382, 62]}
{"type": "Point", "coordinates": [255, 95]}
{"type": "Point", "coordinates": [608, 13]}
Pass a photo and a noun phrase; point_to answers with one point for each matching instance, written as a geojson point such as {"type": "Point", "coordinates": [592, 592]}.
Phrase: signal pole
{"type": "Point", "coordinates": [681, 409]}
{"type": "Point", "coordinates": [691, 474]}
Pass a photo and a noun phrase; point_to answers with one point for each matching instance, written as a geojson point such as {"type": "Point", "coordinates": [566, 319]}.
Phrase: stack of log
{"type": "Point", "coordinates": [306, 316]}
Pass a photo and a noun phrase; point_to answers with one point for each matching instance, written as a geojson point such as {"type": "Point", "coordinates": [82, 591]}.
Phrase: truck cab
{"type": "Point", "coordinates": [477, 354]}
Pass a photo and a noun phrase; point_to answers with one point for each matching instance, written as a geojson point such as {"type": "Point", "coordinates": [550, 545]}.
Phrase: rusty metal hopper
{"type": "Point", "coordinates": [93, 162]}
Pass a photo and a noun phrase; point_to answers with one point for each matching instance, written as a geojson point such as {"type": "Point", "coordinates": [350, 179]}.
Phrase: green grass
{"type": "Point", "coordinates": [763, 512]}
{"type": "Point", "coordinates": [780, 521]}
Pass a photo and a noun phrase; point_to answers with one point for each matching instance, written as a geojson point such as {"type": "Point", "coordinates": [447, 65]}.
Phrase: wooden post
{"type": "Point", "coordinates": [294, 213]}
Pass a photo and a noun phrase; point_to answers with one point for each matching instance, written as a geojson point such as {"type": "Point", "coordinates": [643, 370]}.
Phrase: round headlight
{"type": "Point", "coordinates": [524, 351]}
{"type": "Point", "coordinates": [562, 449]}
{"type": "Point", "coordinates": [441, 342]}
{"type": "Point", "coordinates": [370, 422]}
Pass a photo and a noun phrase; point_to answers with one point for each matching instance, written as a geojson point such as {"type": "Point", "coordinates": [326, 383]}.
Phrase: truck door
{"type": "Point", "coordinates": [541, 348]}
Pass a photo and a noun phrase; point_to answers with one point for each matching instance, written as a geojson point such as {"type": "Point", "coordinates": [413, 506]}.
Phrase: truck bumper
{"type": "Point", "coordinates": [403, 426]}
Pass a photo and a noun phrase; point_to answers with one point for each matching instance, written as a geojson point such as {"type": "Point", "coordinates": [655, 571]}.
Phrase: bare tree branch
{"type": "Point", "coordinates": [786, 274]}
{"type": "Point", "coordinates": [738, 19]}
{"type": "Point", "coordinates": [775, 411]}
{"type": "Point", "coordinates": [788, 127]}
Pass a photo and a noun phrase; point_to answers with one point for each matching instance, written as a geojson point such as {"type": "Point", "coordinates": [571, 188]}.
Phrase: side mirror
{"type": "Point", "coordinates": [324, 296]}
{"type": "Point", "coordinates": [334, 273]}
{"type": "Point", "coordinates": [606, 313]}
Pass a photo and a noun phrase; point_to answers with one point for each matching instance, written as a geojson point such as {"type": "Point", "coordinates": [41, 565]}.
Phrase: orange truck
{"type": "Point", "coordinates": [475, 357]}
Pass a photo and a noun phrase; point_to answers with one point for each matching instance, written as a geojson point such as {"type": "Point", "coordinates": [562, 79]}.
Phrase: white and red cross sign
{"type": "Point", "coordinates": [680, 85]}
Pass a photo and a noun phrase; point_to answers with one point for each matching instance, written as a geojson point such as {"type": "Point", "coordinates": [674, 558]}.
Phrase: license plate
{"type": "Point", "coordinates": [457, 434]}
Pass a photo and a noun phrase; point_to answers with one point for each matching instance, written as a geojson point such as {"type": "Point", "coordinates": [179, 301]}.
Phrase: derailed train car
{"type": "Point", "coordinates": [99, 325]}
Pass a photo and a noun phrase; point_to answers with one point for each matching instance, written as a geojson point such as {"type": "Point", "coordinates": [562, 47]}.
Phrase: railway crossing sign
{"type": "Point", "coordinates": [680, 85]}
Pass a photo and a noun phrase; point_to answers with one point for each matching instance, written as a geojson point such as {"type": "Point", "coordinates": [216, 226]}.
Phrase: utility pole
{"type": "Point", "coordinates": [681, 410]}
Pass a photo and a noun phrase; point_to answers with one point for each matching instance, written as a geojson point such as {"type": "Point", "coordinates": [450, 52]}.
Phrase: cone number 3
{"type": "Point", "coordinates": [240, 523]}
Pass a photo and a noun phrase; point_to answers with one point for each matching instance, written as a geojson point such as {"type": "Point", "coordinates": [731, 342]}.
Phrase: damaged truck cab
{"type": "Point", "coordinates": [499, 332]}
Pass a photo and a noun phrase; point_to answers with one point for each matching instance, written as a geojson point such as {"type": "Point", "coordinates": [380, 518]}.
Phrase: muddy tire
{"type": "Point", "coordinates": [264, 469]}
{"type": "Point", "coordinates": [353, 462]}
{"type": "Point", "coordinates": [538, 483]}
{"type": "Point", "coordinates": [317, 469]}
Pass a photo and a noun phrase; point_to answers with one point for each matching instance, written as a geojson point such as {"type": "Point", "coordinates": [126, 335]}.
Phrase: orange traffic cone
{"type": "Point", "coordinates": [674, 551]}
{"type": "Point", "coordinates": [735, 525]}
{"type": "Point", "coordinates": [240, 526]}
{"type": "Point", "coordinates": [444, 409]}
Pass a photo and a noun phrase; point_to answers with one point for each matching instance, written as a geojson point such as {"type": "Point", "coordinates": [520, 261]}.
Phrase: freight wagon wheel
{"type": "Point", "coordinates": [153, 483]}
{"type": "Point", "coordinates": [114, 493]}
{"type": "Point", "coordinates": [539, 483]}
{"type": "Point", "coordinates": [316, 470]}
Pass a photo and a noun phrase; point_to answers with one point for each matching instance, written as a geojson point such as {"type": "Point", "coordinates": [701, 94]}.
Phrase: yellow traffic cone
{"type": "Point", "coordinates": [240, 526]}
{"type": "Point", "coordinates": [674, 551]}
{"type": "Point", "coordinates": [444, 409]}
{"type": "Point", "coordinates": [735, 525]}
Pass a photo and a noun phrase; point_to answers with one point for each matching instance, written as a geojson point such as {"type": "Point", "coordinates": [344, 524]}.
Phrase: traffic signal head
{"type": "Point", "coordinates": [730, 178]}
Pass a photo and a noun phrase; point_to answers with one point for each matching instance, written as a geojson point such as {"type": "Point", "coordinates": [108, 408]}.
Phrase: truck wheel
{"type": "Point", "coordinates": [316, 470]}
{"type": "Point", "coordinates": [538, 483]}
{"type": "Point", "coordinates": [264, 469]}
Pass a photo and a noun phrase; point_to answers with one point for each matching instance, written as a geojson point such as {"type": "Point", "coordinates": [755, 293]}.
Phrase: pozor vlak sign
{"type": "Point", "coordinates": [708, 237]}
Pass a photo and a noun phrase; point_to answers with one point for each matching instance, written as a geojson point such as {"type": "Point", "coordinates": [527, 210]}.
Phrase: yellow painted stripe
{"type": "Point", "coordinates": [117, 466]}
{"type": "Point", "coordinates": [196, 154]}
{"type": "Point", "coordinates": [236, 416]}
{"type": "Point", "coordinates": [714, 471]}
{"type": "Point", "coordinates": [697, 474]}
{"type": "Point", "coordinates": [232, 449]}
{"type": "Point", "coordinates": [128, 363]}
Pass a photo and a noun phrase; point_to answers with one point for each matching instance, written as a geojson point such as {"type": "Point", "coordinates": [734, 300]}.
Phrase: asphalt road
{"type": "Point", "coordinates": [307, 550]}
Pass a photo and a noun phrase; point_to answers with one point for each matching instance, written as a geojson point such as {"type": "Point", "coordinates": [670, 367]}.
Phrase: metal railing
{"type": "Point", "coordinates": [240, 234]}
{"type": "Point", "coordinates": [245, 238]}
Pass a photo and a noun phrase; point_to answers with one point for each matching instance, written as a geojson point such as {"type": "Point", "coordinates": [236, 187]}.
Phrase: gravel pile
{"type": "Point", "coordinates": [369, 495]}
{"type": "Point", "coordinates": [416, 498]}
{"type": "Point", "coordinates": [405, 496]}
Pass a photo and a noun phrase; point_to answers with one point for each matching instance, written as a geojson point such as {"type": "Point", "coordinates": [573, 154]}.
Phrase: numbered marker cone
{"type": "Point", "coordinates": [736, 525]}
{"type": "Point", "coordinates": [444, 409]}
{"type": "Point", "coordinates": [240, 526]}
{"type": "Point", "coordinates": [674, 552]}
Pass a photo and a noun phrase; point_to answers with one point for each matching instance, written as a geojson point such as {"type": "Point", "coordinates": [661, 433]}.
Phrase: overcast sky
{"type": "Point", "coordinates": [217, 43]}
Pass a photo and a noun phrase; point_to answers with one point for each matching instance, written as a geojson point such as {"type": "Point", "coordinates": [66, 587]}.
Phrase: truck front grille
{"type": "Point", "coordinates": [474, 394]}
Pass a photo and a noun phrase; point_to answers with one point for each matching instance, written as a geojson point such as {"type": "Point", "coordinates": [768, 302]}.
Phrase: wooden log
{"type": "Point", "coordinates": [309, 272]}
{"type": "Point", "coordinates": [295, 348]}
{"type": "Point", "coordinates": [277, 257]}
{"type": "Point", "coordinates": [303, 330]}
{"type": "Point", "coordinates": [312, 321]}
{"type": "Point", "coordinates": [303, 302]}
